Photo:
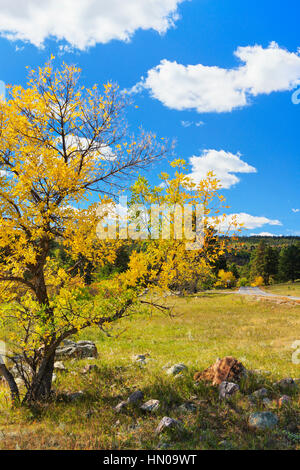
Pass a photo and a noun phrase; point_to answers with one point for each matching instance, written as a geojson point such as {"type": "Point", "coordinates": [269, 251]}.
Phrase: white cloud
{"type": "Point", "coordinates": [295, 210]}
{"type": "Point", "coordinates": [248, 221]}
{"type": "Point", "coordinates": [263, 234]}
{"type": "Point", "coordinates": [192, 123]}
{"type": "Point", "coordinates": [84, 23]}
{"type": "Point", "coordinates": [223, 164]}
{"type": "Point", "coordinates": [214, 89]}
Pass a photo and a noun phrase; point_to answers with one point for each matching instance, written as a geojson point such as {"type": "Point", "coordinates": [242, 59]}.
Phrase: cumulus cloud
{"type": "Point", "coordinates": [192, 123]}
{"type": "Point", "coordinates": [214, 89]}
{"type": "Point", "coordinates": [295, 210]}
{"type": "Point", "coordinates": [263, 234]}
{"type": "Point", "coordinates": [223, 164]}
{"type": "Point", "coordinates": [249, 221]}
{"type": "Point", "coordinates": [84, 23]}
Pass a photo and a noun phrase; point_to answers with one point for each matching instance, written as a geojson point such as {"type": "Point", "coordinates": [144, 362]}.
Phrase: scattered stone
{"type": "Point", "coordinates": [178, 376]}
{"type": "Point", "coordinates": [261, 372]}
{"type": "Point", "coordinates": [227, 389]}
{"type": "Point", "coordinates": [264, 420]}
{"type": "Point", "coordinates": [90, 368]}
{"type": "Point", "coordinates": [121, 406]}
{"type": "Point", "coordinates": [139, 357]}
{"type": "Point", "coordinates": [284, 400]}
{"type": "Point", "coordinates": [79, 350]}
{"type": "Point", "coordinates": [187, 407]}
{"type": "Point", "coordinates": [227, 369]}
{"type": "Point", "coordinates": [176, 369]}
{"type": "Point", "coordinates": [267, 402]}
{"type": "Point", "coordinates": [21, 367]}
{"type": "Point", "coordinates": [167, 423]}
{"type": "Point", "coordinates": [75, 395]}
{"type": "Point", "coordinates": [261, 393]}
{"type": "Point", "coordinates": [285, 385]}
{"type": "Point", "coordinates": [150, 405]}
{"type": "Point", "coordinates": [59, 365]}
{"type": "Point", "coordinates": [135, 397]}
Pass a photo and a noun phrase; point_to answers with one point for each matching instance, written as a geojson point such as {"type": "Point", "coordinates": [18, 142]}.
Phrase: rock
{"type": "Point", "coordinates": [121, 406]}
{"type": "Point", "coordinates": [135, 397]}
{"type": "Point", "coordinates": [150, 405]}
{"type": "Point", "coordinates": [227, 369]}
{"type": "Point", "coordinates": [285, 385]}
{"type": "Point", "coordinates": [167, 423]}
{"type": "Point", "coordinates": [178, 376]}
{"type": "Point", "coordinates": [176, 369]}
{"type": "Point", "coordinates": [264, 420]}
{"type": "Point", "coordinates": [139, 357]}
{"type": "Point", "coordinates": [261, 393]}
{"type": "Point", "coordinates": [187, 407]}
{"type": "Point", "coordinates": [68, 396]}
{"type": "Point", "coordinates": [261, 372]}
{"type": "Point", "coordinates": [267, 402]}
{"type": "Point", "coordinates": [90, 368]}
{"type": "Point", "coordinates": [59, 365]}
{"type": "Point", "coordinates": [284, 400]}
{"type": "Point", "coordinates": [76, 395]}
{"type": "Point", "coordinates": [227, 389]}
{"type": "Point", "coordinates": [79, 350]}
{"type": "Point", "coordinates": [23, 367]}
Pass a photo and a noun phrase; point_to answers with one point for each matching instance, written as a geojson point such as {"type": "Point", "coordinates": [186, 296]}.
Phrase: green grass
{"type": "Point", "coordinates": [289, 288]}
{"type": "Point", "coordinates": [258, 333]}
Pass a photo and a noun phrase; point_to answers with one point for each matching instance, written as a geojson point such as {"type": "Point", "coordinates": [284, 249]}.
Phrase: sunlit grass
{"type": "Point", "coordinates": [258, 333]}
{"type": "Point", "coordinates": [289, 288]}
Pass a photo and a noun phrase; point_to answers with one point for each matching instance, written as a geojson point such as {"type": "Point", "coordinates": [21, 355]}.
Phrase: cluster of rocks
{"type": "Point", "coordinates": [79, 350]}
{"type": "Point", "coordinates": [230, 367]}
{"type": "Point", "coordinates": [226, 374]}
{"type": "Point", "coordinates": [68, 350]}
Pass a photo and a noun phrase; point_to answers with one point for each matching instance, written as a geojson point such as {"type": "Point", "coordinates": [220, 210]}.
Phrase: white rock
{"type": "Point", "coordinates": [167, 423]}
{"type": "Point", "coordinates": [150, 405]}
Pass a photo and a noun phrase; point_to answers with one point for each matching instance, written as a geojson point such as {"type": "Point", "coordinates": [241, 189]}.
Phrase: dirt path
{"type": "Point", "coordinates": [260, 293]}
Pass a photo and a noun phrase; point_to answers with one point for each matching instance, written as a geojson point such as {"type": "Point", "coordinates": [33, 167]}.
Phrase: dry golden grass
{"type": "Point", "coordinates": [259, 333]}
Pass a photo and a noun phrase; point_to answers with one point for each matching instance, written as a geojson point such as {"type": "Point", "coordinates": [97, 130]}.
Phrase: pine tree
{"type": "Point", "coordinates": [289, 263]}
{"type": "Point", "coordinates": [233, 268]}
{"type": "Point", "coordinates": [270, 263]}
{"type": "Point", "coordinates": [258, 261]}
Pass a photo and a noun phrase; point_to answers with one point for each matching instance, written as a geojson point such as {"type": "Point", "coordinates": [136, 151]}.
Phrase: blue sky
{"type": "Point", "coordinates": [218, 76]}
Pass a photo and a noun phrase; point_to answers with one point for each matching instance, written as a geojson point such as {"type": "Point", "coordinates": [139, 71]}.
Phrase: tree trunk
{"type": "Point", "coordinates": [14, 391]}
{"type": "Point", "coordinates": [40, 387]}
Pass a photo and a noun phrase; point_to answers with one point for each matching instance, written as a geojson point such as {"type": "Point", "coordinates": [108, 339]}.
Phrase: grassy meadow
{"type": "Point", "coordinates": [289, 288]}
{"type": "Point", "coordinates": [258, 333]}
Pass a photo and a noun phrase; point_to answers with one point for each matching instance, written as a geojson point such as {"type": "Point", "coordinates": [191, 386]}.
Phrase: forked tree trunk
{"type": "Point", "coordinates": [40, 387]}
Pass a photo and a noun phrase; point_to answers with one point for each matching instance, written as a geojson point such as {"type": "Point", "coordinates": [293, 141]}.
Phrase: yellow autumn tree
{"type": "Point", "coordinates": [60, 142]}
{"type": "Point", "coordinates": [182, 245]}
{"type": "Point", "coordinates": [225, 279]}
